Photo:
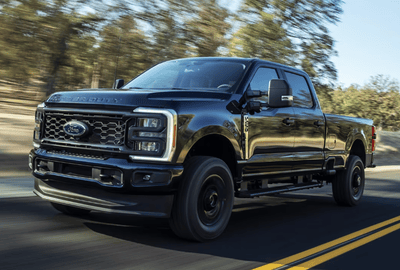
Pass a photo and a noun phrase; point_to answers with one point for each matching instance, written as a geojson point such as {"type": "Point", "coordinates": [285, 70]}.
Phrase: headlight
{"type": "Point", "coordinates": [152, 135]}
{"type": "Point", "coordinates": [39, 117]}
{"type": "Point", "coordinates": [147, 135]}
{"type": "Point", "coordinates": [149, 122]}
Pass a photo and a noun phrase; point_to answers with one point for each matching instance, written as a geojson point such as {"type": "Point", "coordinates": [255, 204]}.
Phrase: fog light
{"type": "Point", "coordinates": [148, 146]}
{"type": "Point", "coordinates": [147, 177]}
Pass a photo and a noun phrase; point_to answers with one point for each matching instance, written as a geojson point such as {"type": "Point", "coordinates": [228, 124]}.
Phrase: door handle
{"type": "Point", "coordinates": [319, 123]}
{"type": "Point", "coordinates": [288, 121]}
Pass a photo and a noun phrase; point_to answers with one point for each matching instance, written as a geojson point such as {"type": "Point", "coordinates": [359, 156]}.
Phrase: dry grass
{"type": "Point", "coordinates": [16, 130]}
{"type": "Point", "coordinates": [387, 148]}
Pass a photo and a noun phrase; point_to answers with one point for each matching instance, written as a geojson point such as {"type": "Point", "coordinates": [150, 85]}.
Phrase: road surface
{"type": "Point", "coordinates": [301, 230]}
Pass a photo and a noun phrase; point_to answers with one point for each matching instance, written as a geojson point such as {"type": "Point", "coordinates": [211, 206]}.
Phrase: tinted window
{"type": "Point", "coordinates": [262, 77]}
{"type": "Point", "coordinates": [301, 91]}
{"type": "Point", "coordinates": [186, 74]}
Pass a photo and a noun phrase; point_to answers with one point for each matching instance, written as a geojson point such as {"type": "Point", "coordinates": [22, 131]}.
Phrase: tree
{"type": "Point", "coordinates": [206, 31]}
{"type": "Point", "coordinates": [164, 22]}
{"type": "Point", "coordinates": [263, 39]}
{"type": "Point", "coordinates": [383, 83]}
{"type": "Point", "coordinates": [305, 21]}
{"type": "Point", "coordinates": [63, 26]}
{"type": "Point", "coordinates": [372, 100]}
{"type": "Point", "coordinates": [123, 51]}
{"type": "Point", "coordinates": [19, 38]}
{"type": "Point", "coordinates": [292, 32]}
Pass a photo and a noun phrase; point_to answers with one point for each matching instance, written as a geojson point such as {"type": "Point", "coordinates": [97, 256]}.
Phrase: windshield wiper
{"type": "Point", "coordinates": [157, 88]}
{"type": "Point", "coordinates": [178, 88]}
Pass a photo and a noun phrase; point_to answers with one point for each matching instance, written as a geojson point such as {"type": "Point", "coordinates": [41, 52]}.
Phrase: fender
{"type": "Point", "coordinates": [211, 130]}
{"type": "Point", "coordinates": [356, 135]}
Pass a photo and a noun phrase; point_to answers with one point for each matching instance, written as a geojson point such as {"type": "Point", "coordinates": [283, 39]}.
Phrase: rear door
{"type": "Point", "coordinates": [309, 126]}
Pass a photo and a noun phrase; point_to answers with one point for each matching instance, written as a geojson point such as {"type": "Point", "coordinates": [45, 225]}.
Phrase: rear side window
{"type": "Point", "coordinates": [301, 90]}
{"type": "Point", "coordinates": [262, 77]}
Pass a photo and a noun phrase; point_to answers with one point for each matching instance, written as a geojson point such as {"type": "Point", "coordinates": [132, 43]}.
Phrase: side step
{"type": "Point", "coordinates": [275, 190]}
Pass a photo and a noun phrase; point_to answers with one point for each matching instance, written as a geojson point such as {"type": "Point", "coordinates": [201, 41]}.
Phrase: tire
{"type": "Point", "coordinates": [348, 185]}
{"type": "Point", "coordinates": [69, 210]}
{"type": "Point", "coordinates": [203, 204]}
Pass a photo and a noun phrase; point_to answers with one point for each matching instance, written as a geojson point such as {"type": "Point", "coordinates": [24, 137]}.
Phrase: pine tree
{"type": "Point", "coordinates": [206, 31]}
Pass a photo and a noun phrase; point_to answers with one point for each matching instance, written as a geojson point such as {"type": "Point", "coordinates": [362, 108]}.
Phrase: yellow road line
{"type": "Point", "coordinates": [322, 247]}
{"type": "Point", "coordinates": [330, 255]}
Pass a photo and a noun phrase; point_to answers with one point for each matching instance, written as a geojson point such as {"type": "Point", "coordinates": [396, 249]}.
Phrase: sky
{"type": "Point", "coordinates": [367, 41]}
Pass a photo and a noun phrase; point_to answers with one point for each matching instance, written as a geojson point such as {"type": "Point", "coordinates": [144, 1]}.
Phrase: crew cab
{"type": "Point", "coordinates": [187, 136]}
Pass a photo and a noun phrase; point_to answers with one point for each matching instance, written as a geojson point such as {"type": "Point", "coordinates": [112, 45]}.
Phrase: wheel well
{"type": "Point", "coordinates": [215, 146]}
{"type": "Point", "coordinates": [358, 149]}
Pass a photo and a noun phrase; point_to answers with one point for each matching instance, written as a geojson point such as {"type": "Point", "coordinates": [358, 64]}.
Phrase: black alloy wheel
{"type": "Point", "coordinates": [204, 202]}
{"type": "Point", "coordinates": [348, 185]}
{"type": "Point", "coordinates": [211, 200]}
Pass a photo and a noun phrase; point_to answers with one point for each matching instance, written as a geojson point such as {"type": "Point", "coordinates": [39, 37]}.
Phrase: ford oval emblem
{"type": "Point", "coordinates": [75, 128]}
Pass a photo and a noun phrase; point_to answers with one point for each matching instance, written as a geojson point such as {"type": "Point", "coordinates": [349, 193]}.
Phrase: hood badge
{"type": "Point", "coordinates": [60, 98]}
{"type": "Point", "coordinates": [75, 128]}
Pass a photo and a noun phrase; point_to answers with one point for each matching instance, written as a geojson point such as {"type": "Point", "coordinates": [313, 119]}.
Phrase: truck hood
{"type": "Point", "coordinates": [133, 98]}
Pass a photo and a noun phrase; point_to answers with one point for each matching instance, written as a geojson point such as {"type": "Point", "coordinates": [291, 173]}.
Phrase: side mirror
{"type": "Point", "coordinates": [279, 94]}
{"type": "Point", "coordinates": [249, 94]}
{"type": "Point", "coordinates": [118, 84]}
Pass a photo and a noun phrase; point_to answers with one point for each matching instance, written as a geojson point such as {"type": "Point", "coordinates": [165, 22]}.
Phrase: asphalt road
{"type": "Point", "coordinates": [261, 231]}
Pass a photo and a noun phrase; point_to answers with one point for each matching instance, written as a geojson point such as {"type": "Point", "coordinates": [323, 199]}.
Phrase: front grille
{"type": "Point", "coordinates": [103, 129]}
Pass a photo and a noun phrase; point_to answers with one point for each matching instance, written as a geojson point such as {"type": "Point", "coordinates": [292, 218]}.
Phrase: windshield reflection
{"type": "Point", "coordinates": [208, 75]}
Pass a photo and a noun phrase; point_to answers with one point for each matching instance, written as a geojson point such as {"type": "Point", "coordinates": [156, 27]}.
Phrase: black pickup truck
{"type": "Point", "coordinates": [185, 137]}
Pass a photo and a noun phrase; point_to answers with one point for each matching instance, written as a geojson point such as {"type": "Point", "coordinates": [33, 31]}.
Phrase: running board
{"type": "Point", "coordinates": [276, 190]}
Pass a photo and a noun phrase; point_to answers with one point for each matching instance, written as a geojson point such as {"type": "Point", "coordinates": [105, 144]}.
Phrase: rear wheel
{"type": "Point", "coordinates": [348, 185]}
{"type": "Point", "coordinates": [204, 202]}
{"type": "Point", "coordinates": [69, 210]}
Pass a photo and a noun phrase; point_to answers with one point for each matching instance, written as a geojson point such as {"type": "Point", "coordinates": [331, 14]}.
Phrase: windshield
{"type": "Point", "coordinates": [213, 75]}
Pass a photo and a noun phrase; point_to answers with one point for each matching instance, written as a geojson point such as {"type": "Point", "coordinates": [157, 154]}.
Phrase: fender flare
{"type": "Point", "coordinates": [211, 130]}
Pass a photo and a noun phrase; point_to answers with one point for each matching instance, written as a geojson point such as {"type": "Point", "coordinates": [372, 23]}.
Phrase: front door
{"type": "Point", "coordinates": [270, 133]}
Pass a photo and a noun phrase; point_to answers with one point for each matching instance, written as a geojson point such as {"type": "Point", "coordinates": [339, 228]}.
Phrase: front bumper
{"type": "Point", "coordinates": [100, 200]}
{"type": "Point", "coordinates": [110, 185]}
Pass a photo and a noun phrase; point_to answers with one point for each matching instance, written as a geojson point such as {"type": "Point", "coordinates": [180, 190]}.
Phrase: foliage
{"type": "Point", "coordinates": [70, 44]}
{"type": "Point", "coordinates": [292, 32]}
{"type": "Point", "coordinates": [206, 31]}
{"type": "Point", "coordinates": [378, 100]}
{"type": "Point", "coordinates": [122, 51]}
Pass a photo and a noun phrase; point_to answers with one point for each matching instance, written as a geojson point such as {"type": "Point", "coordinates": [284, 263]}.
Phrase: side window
{"type": "Point", "coordinates": [301, 90]}
{"type": "Point", "coordinates": [262, 77]}
{"type": "Point", "coordinates": [261, 80]}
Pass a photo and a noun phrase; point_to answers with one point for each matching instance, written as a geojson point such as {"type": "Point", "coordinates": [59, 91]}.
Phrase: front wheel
{"type": "Point", "coordinates": [204, 201]}
{"type": "Point", "coordinates": [348, 185]}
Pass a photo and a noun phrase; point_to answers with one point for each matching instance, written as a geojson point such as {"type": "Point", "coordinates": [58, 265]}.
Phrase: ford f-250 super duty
{"type": "Point", "coordinates": [185, 137]}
